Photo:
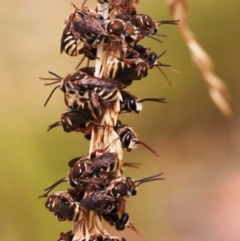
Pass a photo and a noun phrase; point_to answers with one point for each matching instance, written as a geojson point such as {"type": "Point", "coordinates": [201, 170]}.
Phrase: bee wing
{"type": "Point", "coordinates": [96, 200]}
{"type": "Point", "coordinates": [74, 119]}
{"type": "Point", "coordinates": [104, 160]}
{"type": "Point", "coordinates": [106, 84]}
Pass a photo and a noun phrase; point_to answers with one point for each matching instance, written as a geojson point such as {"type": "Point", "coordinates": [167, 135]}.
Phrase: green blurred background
{"type": "Point", "coordinates": [198, 147]}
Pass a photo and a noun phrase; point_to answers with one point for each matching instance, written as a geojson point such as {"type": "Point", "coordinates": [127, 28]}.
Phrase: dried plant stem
{"type": "Point", "coordinates": [98, 190]}
{"type": "Point", "coordinates": [104, 135]}
{"type": "Point", "coordinates": [216, 87]}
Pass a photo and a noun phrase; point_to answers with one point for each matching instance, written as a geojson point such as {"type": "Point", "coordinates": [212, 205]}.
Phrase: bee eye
{"type": "Point", "coordinates": [132, 104]}
{"type": "Point", "coordinates": [82, 92]}
{"type": "Point", "coordinates": [71, 92]}
{"type": "Point", "coordinates": [63, 88]}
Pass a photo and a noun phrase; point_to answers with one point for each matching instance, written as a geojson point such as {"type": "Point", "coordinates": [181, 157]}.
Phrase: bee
{"type": "Point", "coordinates": [120, 223]}
{"type": "Point", "coordinates": [76, 120]}
{"type": "Point", "coordinates": [128, 138]}
{"type": "Point", "coordinates": [71, 46]}
{"type": "Point", "coordinates": [141, 66]}
{"type": "Point", "coordinates": [121, 28]}
{"type": "Point", "coordinates": [63, 205]}
{"type": "Point", "coordinates": [144, 23]}
{"type": "Point", "coordinates": [86, 24]}
{"type": "Point", "coordinates": [93, 177]}
{"type": "Point", "coordinates": [114, 220]}
{"type": "Point", "coordinates": [106, 89]}
{"type": "Point", "coordinates": [126, 186]}
{"type": "Point", "coordinates": [143, 51]}
{"type": "Point", "coordinates": [80, 87]}
{"type": "Point", "coordinates": [131, 103]}
{"type": "Point", "coordinates": [119, 71]}
{"type": "Point", "coordinates": [120, 188]}
{"type": "Point", "coordinates": [86, 168]}
{"type": "Point", "coordinates": [93, 172]}
{"type": "Point", "coordinates": [96, 200]}
{"type": "Point", "coordinates": [127, 70]}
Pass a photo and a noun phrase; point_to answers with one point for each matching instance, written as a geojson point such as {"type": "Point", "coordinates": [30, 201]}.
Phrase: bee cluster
{"type": "Point", "coordinates": [95, 96]}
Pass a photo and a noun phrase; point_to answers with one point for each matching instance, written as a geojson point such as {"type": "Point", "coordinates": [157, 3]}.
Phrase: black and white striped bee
{"type": "Point", "coordinates": [119, 71]}
{"type": "Point", "coordinates": [96, 200]}
{"type": "Point", "coordinates": [64, 206]}
{"type": "Point", "coordinates": [78, 120]}
{"type": "Point", "coordinates": [131, 103]}
{"type": "Point", "coordinates": [120, 28]}
{"type": "Point", "coordinates": [71, 46]}
{"type": "Point", "coordinates": [91, 173]}
{"type": "Point", "coordinates": [120, 222]}
{"type": "Point", "coordinates": [121, 188]}
{"type": "Point", "coordinates": [127, 70]}
{"type": "Point", "coordinates": [83, 169]}
{"type": "Point", "coordinates": [126, 186]}
{"type": "Point", "coordinates": [86, 25]}
{"type": "Point", "coordinates": [81, 87]}
{"type": "Point", "coordinates": [129, 139]}
{"type": "Point", "coordinates": [141, 66]}
{"type": "Point", "coordinates": [144, 23]}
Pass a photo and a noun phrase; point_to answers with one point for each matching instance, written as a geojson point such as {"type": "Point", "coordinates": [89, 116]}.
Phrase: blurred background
{"type": "Point", "coordinates": [198, 146]}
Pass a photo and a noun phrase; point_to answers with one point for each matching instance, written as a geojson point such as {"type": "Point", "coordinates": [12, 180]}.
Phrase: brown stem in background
{"type": "Point", "coordinates": [216, 87]}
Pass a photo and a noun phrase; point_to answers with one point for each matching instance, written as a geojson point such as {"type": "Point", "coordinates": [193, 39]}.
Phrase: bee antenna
{"type": "Point", "coordinates": [160, 100]}
{"type": "Point", "coordinates": [160, 55]}
{"type": "Point", "coordinates": [132, 164]}
{"type": "Point", "coordinates": [84, 3]}
{"type": "Point", "coordinates": [149, 179]}
{"type": "Point", "coordinates": [74, 14]}
{"type": "Point", "coordinates": [58, 123]}
{"type": "Point", "coordinates": [154, 38]}
{"type": "Point", "coordinates": [174, 22]}
{"type": "Point", "coordinates": [58, 79]}
{"type": "Point", "coordinates": [49, 189]}
{"type": "Point", "coordinates": [164, 75]}
{"type": "Point", "coordinates": [148, 147]}
{"type": "Point", "coordinates": [50, 72]}
{"type": "Point", "coordinates": [50, 95]}
{"type": "Point", "coordinates": [163, 65]}
{"type": "Point", "coordinates": [130, 225]}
